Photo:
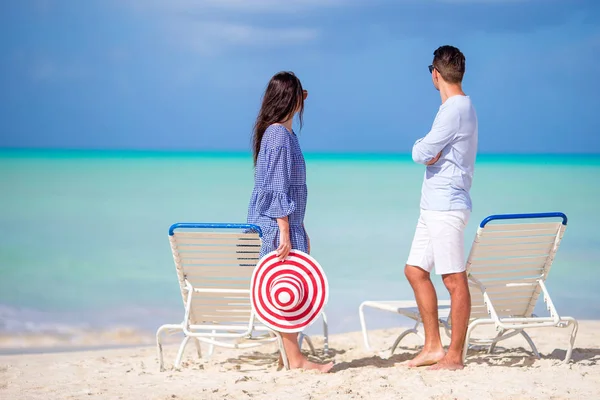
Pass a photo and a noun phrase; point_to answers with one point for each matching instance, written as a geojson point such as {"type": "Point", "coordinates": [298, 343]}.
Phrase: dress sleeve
{"type": "Point", "coordinates": [273, 197]}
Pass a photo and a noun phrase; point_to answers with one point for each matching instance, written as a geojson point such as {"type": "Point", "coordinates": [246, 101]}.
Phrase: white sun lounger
{"type": "Point", "coordinates": [214, 264]}
{"type": "Point", "coordinates": [507, 268]}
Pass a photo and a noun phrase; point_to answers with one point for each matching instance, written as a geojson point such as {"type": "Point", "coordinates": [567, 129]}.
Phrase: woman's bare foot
{"type": "Point", "coordinates": [295, 358]}
{"type": "Point", "coordinates": [426, 358]}
{"type": "Point", "coordinates": [448, 363]}
{"type": "Point", "coordinates": [309, 365]}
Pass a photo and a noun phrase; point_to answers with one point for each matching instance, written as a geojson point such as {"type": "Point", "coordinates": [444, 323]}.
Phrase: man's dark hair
{"type": "Point", "coordinates": [450, 63]}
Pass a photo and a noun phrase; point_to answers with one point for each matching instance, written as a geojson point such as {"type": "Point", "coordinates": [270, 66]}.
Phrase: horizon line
{"type": "Point", "coordinates": [592, 159]}
{"type": "Point", "coordinates": [247, 153]}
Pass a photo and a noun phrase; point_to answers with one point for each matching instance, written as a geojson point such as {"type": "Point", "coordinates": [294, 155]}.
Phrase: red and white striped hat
{"type": "Point", "coordinates": [287, 296]}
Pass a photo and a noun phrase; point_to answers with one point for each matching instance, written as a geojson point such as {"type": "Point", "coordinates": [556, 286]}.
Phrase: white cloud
{"type": "Point", "coordinates": [484, 1]}
{"type": "Point", "coordinates": [42, 6]}
{"type": "Point", "coordinates": [245, 6]}
{"type": "Point", "coordinates": [49, 70]}
{"type": "Point", "coordinates": [281, 6]}
{"type": "Point", "coordinates": [211, 38]}
{"type": "Point", "coordinates": [213, 27]}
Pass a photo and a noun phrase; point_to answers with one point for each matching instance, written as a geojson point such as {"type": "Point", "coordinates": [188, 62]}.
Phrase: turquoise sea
{"type": "Point", "coordinates": [83, 234]}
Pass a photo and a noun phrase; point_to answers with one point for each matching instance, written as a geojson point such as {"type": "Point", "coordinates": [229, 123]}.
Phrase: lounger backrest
{"type": "Point", "coordinates": [509, 257]}
{"type": "Point", "coordinates": [218, 259]}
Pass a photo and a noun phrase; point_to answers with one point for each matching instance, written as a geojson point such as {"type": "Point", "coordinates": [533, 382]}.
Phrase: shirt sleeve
{"type": "Point", "coordinates": [273, 198]}
{"type": "Point", "coordinates": [443, 131]}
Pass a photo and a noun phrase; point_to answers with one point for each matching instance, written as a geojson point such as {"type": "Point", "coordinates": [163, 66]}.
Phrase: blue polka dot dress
{"type": "Point", "coordinates": [279, 189]}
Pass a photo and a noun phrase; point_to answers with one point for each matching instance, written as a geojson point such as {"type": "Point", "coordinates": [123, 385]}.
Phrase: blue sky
{"type": "Point", "coordinates": [189, 74]}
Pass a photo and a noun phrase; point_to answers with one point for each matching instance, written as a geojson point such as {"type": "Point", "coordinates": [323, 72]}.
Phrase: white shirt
{"type": "Point", "coordinates": [447, 183]}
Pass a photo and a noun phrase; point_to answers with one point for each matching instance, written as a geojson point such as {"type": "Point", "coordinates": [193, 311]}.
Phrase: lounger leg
{"type": "Point", "coordinates": [181, 350]}
{"type": "Point", "coordinates": [325, 334]}
{"type": "Point", "coordinates": [446, 326]}
{"type": "Point", "coordinates": [159, 348]}
{"type": "Point", "coordinates": [495, 341]}
{"type": "Point", "coordinates": [286, 362]}
{"type": "Point", "coordinates": [363, 325]}
{"type": "Point", "coordinates": [470, 328]}
{"type": "Point", "coordinates": [198, 348]}
{"type": "Point", "coordinates": [403, 335]}
{"type": "Point", "coordinates": [533, 348]}
{"type": "Point", "coordinates": [302, 337]}
{"type": "Point", "coordinates": [161, 366]}
{"type": "Point", "coordinates": [211, 347]}
{"type": "Point", "coordinates": [572, 338]}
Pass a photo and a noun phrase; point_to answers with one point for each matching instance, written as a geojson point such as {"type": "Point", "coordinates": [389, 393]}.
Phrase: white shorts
{"type": "Point", "coordinates": [439, 241]}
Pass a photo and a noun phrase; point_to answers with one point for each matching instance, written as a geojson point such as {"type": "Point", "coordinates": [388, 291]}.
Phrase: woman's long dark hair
{"type": "Point", "coordinates": [283, 96]}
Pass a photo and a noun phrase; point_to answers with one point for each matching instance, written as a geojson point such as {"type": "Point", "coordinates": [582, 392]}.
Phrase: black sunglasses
{"type": "Point", "coordinates": [431, 68]}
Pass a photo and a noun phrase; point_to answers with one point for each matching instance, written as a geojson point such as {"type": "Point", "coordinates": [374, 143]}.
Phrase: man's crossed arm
{"type": "Point", "coordinates": [428, 149]}
{"type": "Point", "coordinates": [434, 160]}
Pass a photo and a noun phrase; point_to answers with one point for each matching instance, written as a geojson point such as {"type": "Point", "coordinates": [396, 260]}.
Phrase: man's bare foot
{"type": "Point", "coordinates": [448, 363]}
{"type": "Point", "coordinates": [426, 358]}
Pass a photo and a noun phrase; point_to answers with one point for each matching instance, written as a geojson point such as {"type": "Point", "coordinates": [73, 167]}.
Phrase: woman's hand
{"type": "Point", "coordinates": [284, 247]}
{"type": "Point", "coordinates": [285, 244]}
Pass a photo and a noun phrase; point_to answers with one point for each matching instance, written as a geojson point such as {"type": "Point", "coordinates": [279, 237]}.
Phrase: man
{"type": "Point", "coordinates": [448, 151]}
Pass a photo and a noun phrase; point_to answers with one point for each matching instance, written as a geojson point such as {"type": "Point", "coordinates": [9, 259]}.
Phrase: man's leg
{"type": "Point", "coordinates": [447, 231]}
{"type": "Point", "coordinates": [427, 302]}
{"type": "Point", "coordinates": [418, 266]}
{"type": "Point", "coordinates": [460, 311]}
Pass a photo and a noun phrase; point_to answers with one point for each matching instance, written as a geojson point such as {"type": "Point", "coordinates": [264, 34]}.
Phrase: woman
{"type": "Point", "coordinates": [278, 200]}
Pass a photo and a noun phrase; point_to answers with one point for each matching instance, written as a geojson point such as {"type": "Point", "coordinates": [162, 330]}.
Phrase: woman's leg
{"type": "Point", "coordinates": [295, 357]}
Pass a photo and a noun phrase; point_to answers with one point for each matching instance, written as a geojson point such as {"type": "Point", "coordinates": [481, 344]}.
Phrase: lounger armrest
{"type": "Point", "coordinates": [549, 304]}
{"type": "Point", "coordinates": [188, 304]}
{"type": "Point", "coordinates": [509, 322]}
{"type": "Point", "coordinates": [210, 290]}
{"type": "Point", "coordinates": [486, 299]}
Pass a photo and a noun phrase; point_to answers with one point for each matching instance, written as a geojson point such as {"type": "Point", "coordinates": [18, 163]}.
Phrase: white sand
{"type": "Point", "coordinates": [132, 373]}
